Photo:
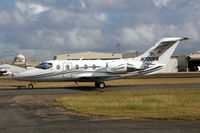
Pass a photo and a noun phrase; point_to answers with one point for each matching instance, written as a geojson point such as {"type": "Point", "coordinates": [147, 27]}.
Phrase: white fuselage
{"type": "Point", "coordinates": [151, 62]}
{"type": "Point", "coordinates": [83, 70]}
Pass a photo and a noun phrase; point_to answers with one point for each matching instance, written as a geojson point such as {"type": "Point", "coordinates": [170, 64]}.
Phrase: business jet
{"type": "Point", "coordinates": [98, 71]}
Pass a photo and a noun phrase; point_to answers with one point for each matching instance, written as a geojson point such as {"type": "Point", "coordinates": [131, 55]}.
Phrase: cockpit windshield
{"type": "Point", "coordinates": [44, 65]}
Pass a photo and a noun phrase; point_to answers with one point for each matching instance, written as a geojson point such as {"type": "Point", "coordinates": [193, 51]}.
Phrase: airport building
{"type": "Point", "coordinates": [88, 56]}
{"type": "Point", "coordinates": [193, 61]}
{"type": "Point", "coordinates": [19, 60]}
{"type": "Point", "coordinates": [131, 54]}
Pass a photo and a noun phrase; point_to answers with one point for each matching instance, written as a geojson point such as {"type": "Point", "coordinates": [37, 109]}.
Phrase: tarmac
{"type": "Point", "coordinates": [31, 111]}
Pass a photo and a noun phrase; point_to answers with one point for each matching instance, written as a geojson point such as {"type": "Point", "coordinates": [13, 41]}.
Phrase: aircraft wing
{"type": "Point", "coordinates": [96, 77]}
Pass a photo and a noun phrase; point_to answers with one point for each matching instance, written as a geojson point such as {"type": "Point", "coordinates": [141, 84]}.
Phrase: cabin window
{"type": "Point", "coordinates": [44, 65]}
{"type": "Point", "coordinates": [67, 67]}
{"type": "Point", "coordinates": [85, 66]}
{"type": "Point", "coordinates": [58, 67]}
{"type": "Point", "coordinates": [94, 66]}
{"type": "Point", "coordinates": [76, 66]}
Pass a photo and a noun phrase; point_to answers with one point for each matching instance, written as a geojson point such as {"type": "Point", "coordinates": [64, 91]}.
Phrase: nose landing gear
{"type": "Point", "coordinates": [100, 85]}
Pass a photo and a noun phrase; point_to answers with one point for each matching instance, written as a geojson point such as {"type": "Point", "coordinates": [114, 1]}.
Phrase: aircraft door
{"type": "Point", "coordinates": [67, 67]}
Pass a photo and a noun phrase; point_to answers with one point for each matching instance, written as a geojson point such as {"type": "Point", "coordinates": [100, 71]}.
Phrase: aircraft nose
{"type": "Point", "coordinates": [16, 76]}
{"type": "Point", "coordinates": [24, 76]}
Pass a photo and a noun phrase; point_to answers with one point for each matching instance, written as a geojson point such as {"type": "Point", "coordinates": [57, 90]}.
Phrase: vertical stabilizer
{"type": "Point", "coordinates": [161, 51]}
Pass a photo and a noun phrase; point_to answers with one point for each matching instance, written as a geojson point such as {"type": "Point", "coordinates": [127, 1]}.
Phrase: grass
{"type": "Point", "coordinates": [108, 83]}
{"type": "Point", "coordinates": [154, 81]}
{"type": "Point", "coordinates": [173, 104]}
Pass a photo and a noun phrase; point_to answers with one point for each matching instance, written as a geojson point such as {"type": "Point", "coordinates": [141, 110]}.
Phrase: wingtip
{"type": "Point", "coordinates": [185, 38]}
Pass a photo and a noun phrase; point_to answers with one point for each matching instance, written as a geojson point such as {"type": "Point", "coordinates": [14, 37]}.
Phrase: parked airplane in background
{"type": "Point", "coordinates": [98, 71]}
{"type": "Point", "coordinates": [3, 73]}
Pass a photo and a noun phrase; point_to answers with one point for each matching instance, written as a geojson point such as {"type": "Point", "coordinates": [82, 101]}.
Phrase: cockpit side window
{"type": "Point", "coordinates": [44, 66]}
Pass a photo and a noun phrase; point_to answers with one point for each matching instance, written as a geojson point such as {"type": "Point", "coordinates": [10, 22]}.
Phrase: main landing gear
{"type": "Point", "coordinates": [30, 86]}
{"type": "Point", "coordinates": [100, 85]}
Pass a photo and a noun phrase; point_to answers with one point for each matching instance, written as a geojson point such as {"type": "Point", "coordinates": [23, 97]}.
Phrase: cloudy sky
{"type": "Point", "coordinates": [41, 29]}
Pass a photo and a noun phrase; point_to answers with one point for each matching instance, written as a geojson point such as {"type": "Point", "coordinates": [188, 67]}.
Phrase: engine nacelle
{"type": "Point", "coordinates": [116, 67]}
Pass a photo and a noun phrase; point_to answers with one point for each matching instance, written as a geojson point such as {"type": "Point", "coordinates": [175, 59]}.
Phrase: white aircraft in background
{"type": "Point", "coordinates": [98, 71]}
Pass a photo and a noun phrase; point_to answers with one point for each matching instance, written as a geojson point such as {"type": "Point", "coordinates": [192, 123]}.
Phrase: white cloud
{"type": "Point", "coordinates": [160, 3]}
{"type": "Point", "coordinates": [31, 8]}
{"type": "Point", "coordinates": [38, 54]}
{"type": "Point", "coordinates": [101, 16]}
{"type": "Point", "coordinates": [40, 33]}
{"type": "Point", "coordinates": [58, 40]}
{"type": "Point", "coordinates": [108, 5]}
{"type": "Point", "coordinates": [191, 31]}
{"type": "Point", "coordinates": [14, 19]}
{"type": "Point", "coordinates": [59, 16]}
{"type": "Point", "coordinates": [95, 25]}
{"type": "Point", "coordinates": [84, 39]}
{"type": "Point", "coordinates": [129, 36]}
{"type": "Point", "coordinates": [5, 18]}
{"type": "Point", "coordinates": [19, 18]}
{"type": "Point", "coordinates": [138, 35]}
{"type": "Point", "coordinates": [36, 8]}
{"type": "Point", "coordinates": [83, 4]}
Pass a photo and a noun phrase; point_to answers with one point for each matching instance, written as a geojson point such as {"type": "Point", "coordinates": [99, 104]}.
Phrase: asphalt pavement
{"type": "Point", "coordinates": [34, 111]}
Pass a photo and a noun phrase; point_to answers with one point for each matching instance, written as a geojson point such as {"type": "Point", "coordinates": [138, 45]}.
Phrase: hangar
{"type": "Point", "coordinates": [88, 56]}
{"type": "Point", "coordinates": [193, 61]}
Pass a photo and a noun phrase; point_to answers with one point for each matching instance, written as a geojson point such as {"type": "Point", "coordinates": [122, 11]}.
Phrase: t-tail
{"type": "Point", "coordinates": [156, 58]}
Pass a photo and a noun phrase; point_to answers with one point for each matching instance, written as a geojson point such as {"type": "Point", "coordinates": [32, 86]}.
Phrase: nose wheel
{"type": "Point", "coordinates": [100, 85]}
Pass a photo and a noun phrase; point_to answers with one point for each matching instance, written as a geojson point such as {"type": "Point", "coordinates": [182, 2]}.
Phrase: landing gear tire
{"type": "Point", "coordinates": [100, 85]}
{"type": "Point", "coordinates": [30, 86]}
